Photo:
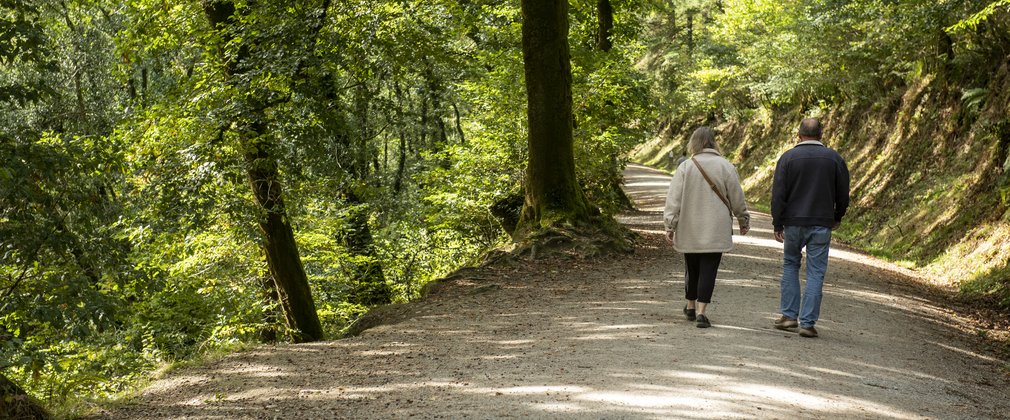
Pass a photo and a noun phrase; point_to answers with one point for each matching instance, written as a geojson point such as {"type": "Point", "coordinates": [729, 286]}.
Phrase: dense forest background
{"type": "Point", "coordinates": [182, 177]}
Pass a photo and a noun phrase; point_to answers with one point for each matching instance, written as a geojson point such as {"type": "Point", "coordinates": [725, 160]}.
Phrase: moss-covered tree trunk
{"type": "Point", "coordinates": [281, 251]}
{"type": "Point", "coordinates": [553, 195]}
{"type": "Point", "coordinates": [273, 310]}
{"type": "Point", "coordinates": [16, 404]}
{"type": "Point", "coordinates": [370, 285]}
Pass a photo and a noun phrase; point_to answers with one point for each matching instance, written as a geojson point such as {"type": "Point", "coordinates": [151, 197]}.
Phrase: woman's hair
{"type": "Point", "coordinates": [702, 138]}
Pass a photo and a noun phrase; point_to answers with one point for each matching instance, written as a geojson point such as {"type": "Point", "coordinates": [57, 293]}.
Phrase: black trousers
{"type": "Point", "coordinates": [700, 276]}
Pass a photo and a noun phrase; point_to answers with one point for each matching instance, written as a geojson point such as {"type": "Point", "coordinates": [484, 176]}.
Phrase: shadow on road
{"type": "Point", "coordinates": [606, 339]}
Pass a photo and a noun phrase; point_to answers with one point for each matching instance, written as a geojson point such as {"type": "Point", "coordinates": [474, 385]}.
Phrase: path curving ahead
{"type": "Point", "coordinates": [606, 339]}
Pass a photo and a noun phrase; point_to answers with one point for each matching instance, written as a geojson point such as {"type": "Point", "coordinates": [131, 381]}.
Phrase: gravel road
{"type": "Point", "coordinates": [605, 338]}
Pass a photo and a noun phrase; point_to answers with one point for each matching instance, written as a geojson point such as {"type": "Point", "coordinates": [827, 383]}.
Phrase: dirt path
{"type": "Point", "coordinates": [606, 339]}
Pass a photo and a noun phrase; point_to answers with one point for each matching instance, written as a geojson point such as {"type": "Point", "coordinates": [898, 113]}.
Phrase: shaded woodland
{"type": "Point", "coordinates": [183, 177]}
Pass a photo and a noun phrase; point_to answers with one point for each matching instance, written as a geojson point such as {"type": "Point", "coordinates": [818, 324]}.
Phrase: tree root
{"type": "Point", "coordinates": [16, 404]}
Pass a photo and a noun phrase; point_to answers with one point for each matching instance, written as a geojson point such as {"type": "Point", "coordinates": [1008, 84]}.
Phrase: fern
{"type": "Point", "coordinates": [973, 21]}
{"type": "Point", "coordinates": [973, 99]}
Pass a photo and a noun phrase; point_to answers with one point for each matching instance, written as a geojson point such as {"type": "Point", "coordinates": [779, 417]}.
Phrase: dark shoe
{"type": "Point", "coordinates": [809, 332]}
{"type": "Point", "coordinates": [689, 313]}
{"type": "Point", "coordinates": [703, 322]}
{"type": "Point", "coordinates": [786, 323]}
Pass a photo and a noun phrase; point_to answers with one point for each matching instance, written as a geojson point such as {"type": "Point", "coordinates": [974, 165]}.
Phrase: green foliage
{"type": "Point", "coordinates": [129, 235]}
{"type": "Point", "coordinates": [612, 108]}
{"type": "Point", "coordinates": [749, 53]}
{"type": "Point", "coordinates": [993, 285]}
{"type": "Point", "coordinates": [974, 99]}
{"type": "Point", "coordinates": [128, 231]}
{"type": "Point", "coordinates": [911, 93]}
{"type": "Point", "coordinates": [972, 22]}
{"type": "Point", "coordinates": [64, 269]}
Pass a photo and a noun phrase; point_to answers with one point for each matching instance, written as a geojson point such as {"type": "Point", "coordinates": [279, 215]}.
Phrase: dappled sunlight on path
{"type": "Point", "coordinates": [607, 339]}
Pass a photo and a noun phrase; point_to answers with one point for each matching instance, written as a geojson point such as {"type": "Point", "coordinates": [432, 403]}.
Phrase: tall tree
{"type": "Point", "coordinates": [553, 194]}
{"type": "Point", "coordinates": [257, 146]}
{"type": "Point", "coordinates": [605, 25]}
{"type": "Point", "coordinates": [690, 30]}
{"type": "Point", "coordinates": [370, 286]}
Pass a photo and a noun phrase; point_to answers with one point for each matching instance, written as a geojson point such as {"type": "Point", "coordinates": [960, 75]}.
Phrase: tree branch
{"type": "Point", "coordinates": [16, 282]}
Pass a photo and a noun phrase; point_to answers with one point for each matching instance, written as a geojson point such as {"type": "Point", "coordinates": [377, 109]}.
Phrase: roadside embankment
{"type": "Point", "coordinates": [930, 179]}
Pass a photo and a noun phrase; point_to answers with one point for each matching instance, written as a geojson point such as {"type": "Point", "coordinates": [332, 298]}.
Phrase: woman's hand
{"type": "Point", "coordinates": [744, 230]}
{"type": "Point", "coordinates": [671, 237]}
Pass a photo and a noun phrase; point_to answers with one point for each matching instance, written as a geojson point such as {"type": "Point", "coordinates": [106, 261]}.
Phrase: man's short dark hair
{"type": "Point", "coordinates": [810, 127]}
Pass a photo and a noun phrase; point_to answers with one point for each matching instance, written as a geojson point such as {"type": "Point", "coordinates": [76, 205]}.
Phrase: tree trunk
{"type": "Point", "coordinates": [553, 195]}
{"type": "Point", "coordinates": [370, 287]}
{"type": "Point", "coordinates": [283, 259]}
{"type": "Point", "coordinates": [605, 25]}
{"type": "Point", "coordinates": [401, 163]}
{"type": "Point", "coordinates": [459, 125]}
{"type": "Point", "coordinates": [673, 21]}
{"type": "Point", "coordinates": [690, 32]}
{"type": "Point", "coordinates": [143, 87]}
{"type": "Point", "coordinates": [16, 404]}
{"type": "Point", "coordinates": [423, 142]}
{"type": "Point", "coordinates": [362, 105]}
{"type": "Point", "coordinates": [271, 299]}
{"type": "Point", "coordinates": [435, 93]}
{"type": "Point", "coordinates": [945, 50]}
{"type": "Point", "coordinates": [281, 251]}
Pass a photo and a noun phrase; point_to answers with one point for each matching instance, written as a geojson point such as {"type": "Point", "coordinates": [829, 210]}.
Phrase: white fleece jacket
{"type": "Point", "coordinates": [700, 219]}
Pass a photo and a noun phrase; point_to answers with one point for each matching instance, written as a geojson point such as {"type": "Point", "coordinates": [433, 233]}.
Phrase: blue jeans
{"type": "Point", "coordinates": [816, 239]}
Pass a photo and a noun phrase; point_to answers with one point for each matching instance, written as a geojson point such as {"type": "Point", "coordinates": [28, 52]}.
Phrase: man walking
{"type": "Point", "coordinates": [810, 194]}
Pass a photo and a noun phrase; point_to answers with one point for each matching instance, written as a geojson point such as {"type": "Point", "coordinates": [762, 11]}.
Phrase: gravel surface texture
{"type": "Point", "coordinates": [606, 338]}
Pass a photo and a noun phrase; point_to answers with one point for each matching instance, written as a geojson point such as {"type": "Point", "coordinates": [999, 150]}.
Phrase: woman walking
{"type": "Point", "coordinates": [704, 196]}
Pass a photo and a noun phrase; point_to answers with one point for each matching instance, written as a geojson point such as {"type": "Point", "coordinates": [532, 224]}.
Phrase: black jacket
{"type": "Point", "coordinates": [811, 187]}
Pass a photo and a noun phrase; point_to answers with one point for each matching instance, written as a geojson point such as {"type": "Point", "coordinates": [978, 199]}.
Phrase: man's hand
{"type": "Point", "coordinates": [780, 236]}
{"type": "Point", "coordinates": [670, 235]}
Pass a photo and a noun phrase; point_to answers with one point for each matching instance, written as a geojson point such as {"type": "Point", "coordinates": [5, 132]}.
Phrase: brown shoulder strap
{"type": "Point", "coordinates": [712, 184]}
